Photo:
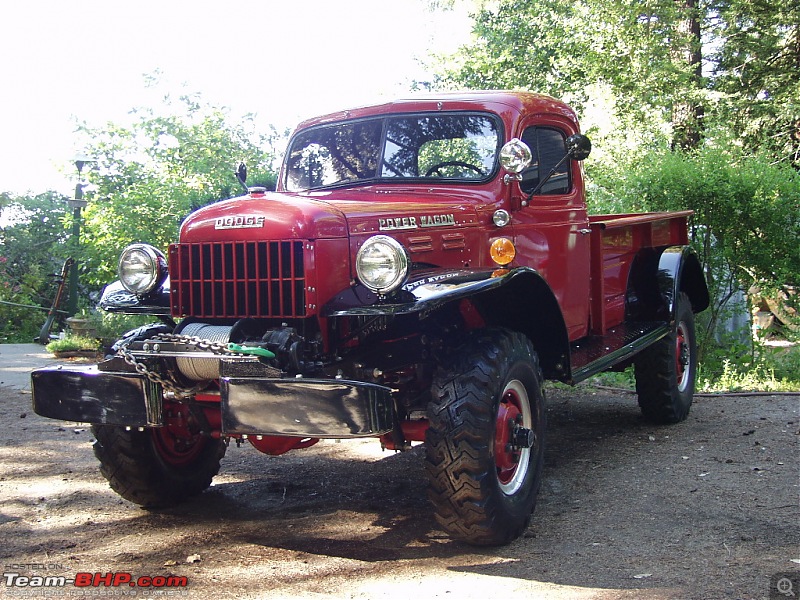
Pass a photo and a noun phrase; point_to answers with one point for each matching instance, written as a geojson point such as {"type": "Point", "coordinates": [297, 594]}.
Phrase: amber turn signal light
{"type": "Point", "coordinates": [502, 251]}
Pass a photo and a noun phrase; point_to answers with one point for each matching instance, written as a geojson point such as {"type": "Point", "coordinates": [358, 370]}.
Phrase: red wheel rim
{"type": "Point", "coordinates": [682, 357]}
{"type": "Point", "coordinates": [175, 444]}
{"type": "Point", "coordinates": [511, 463]}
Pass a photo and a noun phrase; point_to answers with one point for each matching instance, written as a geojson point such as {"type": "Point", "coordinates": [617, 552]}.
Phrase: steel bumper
{"type": "Point", "coordinates": [317, 408]}
{"type": "Point", "coordinates": [320, 408]}
{"type": "Point", "coordinates": [88, 395]}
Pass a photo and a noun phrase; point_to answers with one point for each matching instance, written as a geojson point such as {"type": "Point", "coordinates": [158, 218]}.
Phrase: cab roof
{"type": "Point", "coordinates": [496, 101]}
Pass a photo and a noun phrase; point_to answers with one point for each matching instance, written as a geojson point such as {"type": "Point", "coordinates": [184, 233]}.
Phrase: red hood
{"type": "Point", "coordinates": [270, 216]}
{"type": "Point", "coordinates": [371, 208]}
{"type": "Point", "coordinates": [330, 214]}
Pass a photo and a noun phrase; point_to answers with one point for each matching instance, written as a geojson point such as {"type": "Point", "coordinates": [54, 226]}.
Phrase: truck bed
{"type": "Point", "coordinates": [615, 241]}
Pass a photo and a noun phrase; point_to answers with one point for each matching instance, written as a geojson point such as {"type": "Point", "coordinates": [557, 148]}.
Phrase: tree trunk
{"type": "Point", "coordinates": [687, 113]}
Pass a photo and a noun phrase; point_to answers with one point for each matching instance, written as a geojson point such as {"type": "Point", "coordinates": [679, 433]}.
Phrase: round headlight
{"type": "Point", "coordinates": [382, 264]}
{"type": "Point", "coordinates": [515, 156]}
{"type": "Point", "coordinates": [141, 268]}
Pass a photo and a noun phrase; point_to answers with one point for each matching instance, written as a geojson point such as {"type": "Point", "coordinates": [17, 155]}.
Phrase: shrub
{"type": "Point", "coordinates": [73, 343]}
{"type": "Point", "coordinates": [745, 228]}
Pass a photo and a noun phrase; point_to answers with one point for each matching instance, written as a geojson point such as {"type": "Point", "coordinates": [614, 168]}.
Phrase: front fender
{"type": "Point", "coordinates": [116, 298]}
{"type": "Point", "coordinates": [518, 299]}
{"type": "Point", "coordinates": [425, 291]}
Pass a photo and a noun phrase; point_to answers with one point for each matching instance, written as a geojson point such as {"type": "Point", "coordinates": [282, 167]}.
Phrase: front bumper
{"type": "Point", "coordinates": [319, 408]}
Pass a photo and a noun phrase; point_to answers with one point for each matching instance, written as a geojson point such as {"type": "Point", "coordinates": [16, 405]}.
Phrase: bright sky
{"type": "Point", "coordinates": [62, 62]}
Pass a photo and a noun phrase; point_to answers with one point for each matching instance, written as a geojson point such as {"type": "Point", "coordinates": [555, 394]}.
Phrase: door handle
{"type": "Point", "coordinates": [584, 231]}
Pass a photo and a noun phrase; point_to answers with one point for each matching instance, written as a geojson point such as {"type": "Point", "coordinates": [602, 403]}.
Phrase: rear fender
{"type": "Point", "coordinates": [658, 276]}
{"type": "Point", "coordinates": [518, 299]}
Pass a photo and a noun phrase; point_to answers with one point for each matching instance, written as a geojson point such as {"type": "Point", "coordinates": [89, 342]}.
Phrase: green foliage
{"type": "Point", "coordinates": [747, 210]}
{"type": "Point", "coordinates": [645, 59]}
{"type": "Point", "coordinates": [632, 69]}
{"type": "Point", "coordinates": [756, 60]}
{"type": "Point", "coordinates": [746, 223]}
{"type": "Point", "coordinates": [732, 368]}
{"type": "Point", "coordinates": [148, 177]}
{"type": "Point", "coordinates": [767, 370]}
{"type": "Point", "coordinates": [72, 343]}
{"type": "Point", "coordinates": [32, 247]}
{"type": "Point", "coordinates": [566, 48]}
{"type": "Point", "coordinates": [151, 174]}
{"type": "Point", "coordinates": [745, 229]}
{"type": "Point", "coordinates": [112, 326]}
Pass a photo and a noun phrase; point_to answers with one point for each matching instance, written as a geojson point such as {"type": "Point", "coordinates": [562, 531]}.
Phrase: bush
{"type": "Point", "coordinates": [112, 326]}
{"type": "Point", "coordinates": [745, 229]}
{"type": "Point", "coordinates": [73, 343]}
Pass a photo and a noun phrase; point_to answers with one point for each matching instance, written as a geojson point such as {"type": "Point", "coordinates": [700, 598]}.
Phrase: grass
{"type": "Point", "coordinates": [765, 369]}
{"type": "Point", "coordinates": [72, 343]}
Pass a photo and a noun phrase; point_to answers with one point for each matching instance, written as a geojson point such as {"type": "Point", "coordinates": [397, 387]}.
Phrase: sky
{"type": "Point", "coordinates": [63, 62]}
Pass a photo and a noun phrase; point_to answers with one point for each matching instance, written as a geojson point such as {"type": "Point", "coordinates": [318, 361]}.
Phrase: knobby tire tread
{"type": "Point", "coordinates": [130, 463]}
{"type": "Point", "coordinates": [459, 459]}
{"type": "Point", "coordinates": [659, 398]}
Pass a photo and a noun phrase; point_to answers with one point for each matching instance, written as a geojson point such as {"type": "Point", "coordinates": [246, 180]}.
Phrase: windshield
{"type": "Point", "coordinates": [453, 147]}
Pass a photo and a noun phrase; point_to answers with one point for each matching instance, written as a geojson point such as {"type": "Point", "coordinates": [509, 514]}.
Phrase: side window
{"type": "Point", "coordinates": [548, 146]}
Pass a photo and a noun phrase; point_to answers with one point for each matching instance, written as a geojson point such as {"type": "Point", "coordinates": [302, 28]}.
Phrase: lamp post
{"type": "Point", "coordinates": [76, 204]}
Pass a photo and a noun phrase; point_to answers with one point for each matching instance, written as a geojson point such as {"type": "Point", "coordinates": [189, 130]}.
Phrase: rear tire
{"type": "Point", "coordinates": [485, 444]}
{"type": "Point", "coordinates": [665, 372]}
{"type": "Point", "coordinates": [155, 468]}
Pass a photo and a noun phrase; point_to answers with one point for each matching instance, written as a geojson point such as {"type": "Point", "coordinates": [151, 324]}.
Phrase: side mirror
{"type": "Point", "coordinates": [578, 146]}
{"type": "Point", "coordinates": [241, 175]}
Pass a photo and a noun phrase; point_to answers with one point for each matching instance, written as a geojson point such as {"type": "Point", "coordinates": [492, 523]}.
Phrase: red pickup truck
{"type": "Point", "coordinates": [422, 268]}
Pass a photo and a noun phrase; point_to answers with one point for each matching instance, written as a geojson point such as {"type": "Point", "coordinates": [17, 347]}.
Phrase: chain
{"type": "Point", "coordinates": [171, 384]}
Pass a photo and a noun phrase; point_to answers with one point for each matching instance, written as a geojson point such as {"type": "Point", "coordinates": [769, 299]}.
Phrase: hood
{"type": "Point", "coordinates": [331, 214]}
{"type": "Point", "coordinates": [374, 209]}
{"type": "Point", "coordinates": [264, 216]}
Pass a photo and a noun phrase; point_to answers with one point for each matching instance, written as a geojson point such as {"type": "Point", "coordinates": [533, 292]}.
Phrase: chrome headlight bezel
{"type": "Point", "coordinates": [141, 268]}
{"type": "Point", "coordinates": [515, 156]}
{"type": "Point", "coordinates": [382, 264]}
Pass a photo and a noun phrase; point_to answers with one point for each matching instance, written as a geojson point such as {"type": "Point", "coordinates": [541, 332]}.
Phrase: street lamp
{"type": "Point", "coordinates": [76, 204]}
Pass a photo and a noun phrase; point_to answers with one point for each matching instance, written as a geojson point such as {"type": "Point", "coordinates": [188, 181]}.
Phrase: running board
{"type": "Point", "coordinates": [595, 354]}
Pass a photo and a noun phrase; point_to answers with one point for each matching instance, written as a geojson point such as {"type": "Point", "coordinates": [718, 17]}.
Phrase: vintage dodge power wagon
{"type": "Point", "coordinates": [422, 268]}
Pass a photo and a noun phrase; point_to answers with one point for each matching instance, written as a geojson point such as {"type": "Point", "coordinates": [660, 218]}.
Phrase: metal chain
{"type": "Point", "coordinates": [171, 384]}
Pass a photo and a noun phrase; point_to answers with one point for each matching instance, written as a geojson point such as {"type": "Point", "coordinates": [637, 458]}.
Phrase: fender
{"type": "Point", "coordinates": [657, 276]}
{"type": "Point", "coordinates": [116, 298]}
{"type": "Point", "coordinates": [518, 299]}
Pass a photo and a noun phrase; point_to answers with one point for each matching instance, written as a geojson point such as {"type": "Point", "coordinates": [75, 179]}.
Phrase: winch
{"type": "Point", "coordinates": [203, 369]}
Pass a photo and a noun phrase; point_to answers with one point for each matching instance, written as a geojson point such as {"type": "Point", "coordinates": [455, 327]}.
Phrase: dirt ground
{"type": "Point", "coordinates": [706, 509]}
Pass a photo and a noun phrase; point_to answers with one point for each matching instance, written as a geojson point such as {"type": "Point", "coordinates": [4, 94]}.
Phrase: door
{"type": "Point", "coordinates": [551, 232]}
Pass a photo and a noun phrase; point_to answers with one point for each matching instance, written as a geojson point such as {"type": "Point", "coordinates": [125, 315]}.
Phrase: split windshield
{"type": "Point", "coordinates": [451, 147]}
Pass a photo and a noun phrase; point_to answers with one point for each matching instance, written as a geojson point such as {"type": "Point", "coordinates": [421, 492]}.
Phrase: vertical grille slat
{"type": "Point", "coordinates": [238, 279]}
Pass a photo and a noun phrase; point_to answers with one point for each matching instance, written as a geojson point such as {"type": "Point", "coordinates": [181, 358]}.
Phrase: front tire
{"type": "Point", "coordinates": [485, 444]}
{"type": "Point", "coordinates": [666, 371]}
{"type": "Point", "coordinates": [157, 467]}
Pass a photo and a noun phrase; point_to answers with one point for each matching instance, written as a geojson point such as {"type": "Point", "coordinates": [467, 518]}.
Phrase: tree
{"type": "Point", "coordinates": [32, 247]}
{"type": "Point", "coordinates": [674, 69]}
{"type": "Point", "coordinates": [646, 53]}
{"type": "Point", "coordinates": [756, 62]}
{"type": "Point", "coordinates": [152, 173]}
{"type": "Point", "coordinates": [692, 104]}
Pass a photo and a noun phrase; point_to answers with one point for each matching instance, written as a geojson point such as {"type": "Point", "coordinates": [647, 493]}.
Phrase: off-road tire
{"type": "Point", "coordinates": [139, 470]}
{"type": "Point", "coordinates": [477, 497]}
{"type": "Point", "coordinates": [665, 372]}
